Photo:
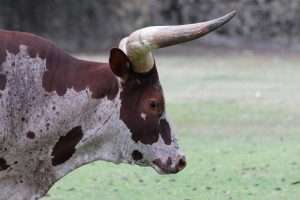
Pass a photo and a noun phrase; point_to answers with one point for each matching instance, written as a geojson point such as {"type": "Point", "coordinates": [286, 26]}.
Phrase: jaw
{"type": "Point", "coordinates": [160, 171]}
{"type": "Point", "coordinates": [163, 168]}
{"type": "Point", "coordinates": [164, 171]}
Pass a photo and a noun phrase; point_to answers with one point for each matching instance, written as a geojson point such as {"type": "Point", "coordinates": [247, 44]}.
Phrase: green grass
{"type": "Point", "coordinates": [232, 167]}
{"type": "Point", "coordinates": [237, 119]}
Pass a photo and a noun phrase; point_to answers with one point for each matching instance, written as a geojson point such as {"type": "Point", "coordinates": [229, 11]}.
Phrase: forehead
{"type": "Point", "coordinates": [153, 91]}
{"type": "Point", "coordinates": [144, 85]}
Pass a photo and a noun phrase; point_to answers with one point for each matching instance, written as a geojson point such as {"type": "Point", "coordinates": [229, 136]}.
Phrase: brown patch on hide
{"type": "Point", "coordinates": [165, 131]}
{"type": "Point", "coordinates": [63, 71]}
{"type": "Point", "coordinates": [79, 75]}
{"type": "Point", "coordinates": [30, 135]}
{"type": "Point", "coordinates": [3, 164]}
{"type": "Point", "coordinates": [2, 81]}
{"type": "Point", "coordinates": [65, 147]}
{"type": "Point", "coordinates": [137, 155]}
{"type": "Point", "coordinates": [137, 96]}
{"type": "Point", "coordinates": [11, 40]}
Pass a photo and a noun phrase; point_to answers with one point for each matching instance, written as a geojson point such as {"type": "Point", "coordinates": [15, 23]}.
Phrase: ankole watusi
{"type": "Point", "coordinates": [58, 113]}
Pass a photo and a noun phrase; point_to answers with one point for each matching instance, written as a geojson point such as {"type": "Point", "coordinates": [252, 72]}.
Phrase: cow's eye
{"type": "Point", "coordinates": [154, 105]}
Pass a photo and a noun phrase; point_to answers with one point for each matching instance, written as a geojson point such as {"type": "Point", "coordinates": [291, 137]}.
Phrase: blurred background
{"type": "Point", "coordinates": [93, 25]}
{"type": "Point", "coordinates": [233, 95]}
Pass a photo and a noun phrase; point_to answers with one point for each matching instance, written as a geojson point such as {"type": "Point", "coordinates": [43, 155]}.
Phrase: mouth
{"type": "Point", "coordinates": [165, 168]}
{"type": "Point", "coordinates": [163, 171]}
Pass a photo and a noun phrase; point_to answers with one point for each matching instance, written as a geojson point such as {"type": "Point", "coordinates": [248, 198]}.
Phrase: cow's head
{"type": "Point", "coordinates": [142, 100]}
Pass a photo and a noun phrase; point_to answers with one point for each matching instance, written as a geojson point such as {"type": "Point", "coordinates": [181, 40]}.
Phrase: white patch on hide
{"type": "Point", "coordinates": [143, 116]}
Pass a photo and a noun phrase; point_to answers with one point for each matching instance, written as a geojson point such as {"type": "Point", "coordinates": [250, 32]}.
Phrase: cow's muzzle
{"type": "Point", "coordinates": [169, 166]}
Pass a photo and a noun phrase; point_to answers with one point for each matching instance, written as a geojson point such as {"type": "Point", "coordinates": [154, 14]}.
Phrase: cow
{"type": "Point", "coordinates": [58, 112]}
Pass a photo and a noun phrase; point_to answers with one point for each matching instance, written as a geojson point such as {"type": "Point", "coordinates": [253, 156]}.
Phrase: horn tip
{"type": "Point", "coordinates": [231, 14]}
{"type": "Point", "coordinates": [215, 24]}
{"type": "Point", "coordinates": [228, 17]}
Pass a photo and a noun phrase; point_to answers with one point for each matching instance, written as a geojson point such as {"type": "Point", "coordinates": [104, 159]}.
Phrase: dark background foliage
{"type": "Point", "coordinates": [99, 24]}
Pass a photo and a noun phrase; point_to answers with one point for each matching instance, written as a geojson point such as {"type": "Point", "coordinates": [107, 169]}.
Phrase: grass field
{"type": "Point", "coordinates": [238, 121]}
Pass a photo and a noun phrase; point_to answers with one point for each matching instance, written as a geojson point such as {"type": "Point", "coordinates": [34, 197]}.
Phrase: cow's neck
{"type": "Point", "coordinates": [104, 138]}
{"type": "Point", "coordinates": [100, 133]}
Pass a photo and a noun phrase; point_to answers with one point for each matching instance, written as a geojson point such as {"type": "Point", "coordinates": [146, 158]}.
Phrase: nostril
{"type": "Point", "coordinates": [181, 164]}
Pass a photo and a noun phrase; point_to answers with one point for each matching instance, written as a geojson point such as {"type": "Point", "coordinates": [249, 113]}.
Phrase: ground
{"type": "Point", "coordinates": [237, 117]}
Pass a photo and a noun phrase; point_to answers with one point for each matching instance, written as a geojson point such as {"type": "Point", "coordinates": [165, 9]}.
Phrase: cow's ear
{"type": "Point", "coordinates": [119, 63]}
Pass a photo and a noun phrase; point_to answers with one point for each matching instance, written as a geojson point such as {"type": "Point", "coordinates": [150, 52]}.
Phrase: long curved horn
{"type": "Point", "coordinates": [138, 45]}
